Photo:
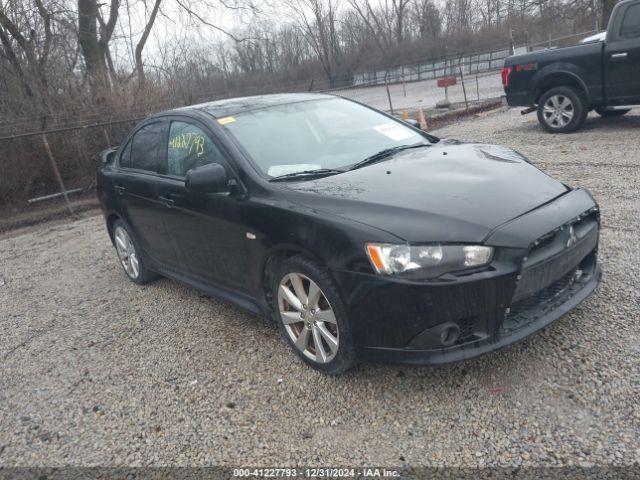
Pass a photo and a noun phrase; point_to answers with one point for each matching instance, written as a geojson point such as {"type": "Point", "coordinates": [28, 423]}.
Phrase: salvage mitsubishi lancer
{"type": "Point", "coordinates": [363, 237]}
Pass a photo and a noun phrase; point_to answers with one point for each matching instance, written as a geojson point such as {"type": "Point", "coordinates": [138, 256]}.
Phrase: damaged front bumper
{"type": "Point", "coordinates": [529, 284]}
{"type": "Point", "coordinates": [515, 326]}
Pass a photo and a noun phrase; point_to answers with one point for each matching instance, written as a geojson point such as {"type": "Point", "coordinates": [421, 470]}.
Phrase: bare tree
{"type": "Point", "coordinates": [374, 24]}
{"type": "Point", "coordinates": [28, 52]}
{"type": "Point", "coordinates": [318, 20]}
{"type": "Point", "coordinates": [139, 69]}
{"type": "Point", "coordinates": [399, 10]}
{"type": "Point", "coordinates": [94, 43]}
{"type": "Point", "coordinates": [427, 18]}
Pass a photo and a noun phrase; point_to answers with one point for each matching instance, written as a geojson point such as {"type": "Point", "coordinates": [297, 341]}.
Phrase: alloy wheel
{"type": "Point", "coordinates": [558, 111]}
{"type": "Point", "coordinates": [308, 317]}
{"type": "Point", "coordinates": [127, 252]}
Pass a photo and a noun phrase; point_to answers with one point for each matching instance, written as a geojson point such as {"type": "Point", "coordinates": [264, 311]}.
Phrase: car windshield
{"type": "Point", "coordinates": [325, 134]}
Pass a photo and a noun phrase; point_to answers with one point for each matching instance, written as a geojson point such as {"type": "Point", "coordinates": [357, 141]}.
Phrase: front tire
{"type": "Point", "coordinates": [562, 110]}
{"type": "Point", "coordinates": [603, 112]}
{"type": "Point", "coordinates": [311, 315]}
{"type": "Point", "coordinates": [129, 254]}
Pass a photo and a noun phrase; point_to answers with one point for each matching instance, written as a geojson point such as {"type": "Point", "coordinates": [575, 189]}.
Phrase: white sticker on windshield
{"type": "Point", "coordinates": [393, 131]}
{"type": "Point", "coordinates": [277, 170]}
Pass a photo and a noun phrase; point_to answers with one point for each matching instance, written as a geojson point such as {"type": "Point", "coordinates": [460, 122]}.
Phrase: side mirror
{"type": "Point", "coordinates": [210, 178]}
{"type": "Point", "coordinates": [107, 156]}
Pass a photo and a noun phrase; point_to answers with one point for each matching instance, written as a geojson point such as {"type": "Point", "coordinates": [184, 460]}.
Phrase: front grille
{"type": "Point", "coordinates": [555, 255]}
{"type": "Point", "coordinates": [528, 309]}
{"type": "Point", "coordinates": [532, 307]}
{"type": "Point", "coordinates": [554, 242]}
{"type": "Point", "coordinates": [553, 271]}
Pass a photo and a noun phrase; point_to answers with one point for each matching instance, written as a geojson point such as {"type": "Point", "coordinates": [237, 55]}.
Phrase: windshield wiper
{"type": "Point", "coordinates": [387, 152]}
{"type": "Point", "coordinates": [320, 172]}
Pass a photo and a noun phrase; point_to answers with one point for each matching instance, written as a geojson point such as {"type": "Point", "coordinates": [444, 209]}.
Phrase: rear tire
{"type": "Point", "coordinates": [311, 315]}
{"type": "Point", "coordinates": [603, 112]}
{"type": "Point", "coordinates": [129, 254]}
{"type": "Point", "coordinates": [562, 110]}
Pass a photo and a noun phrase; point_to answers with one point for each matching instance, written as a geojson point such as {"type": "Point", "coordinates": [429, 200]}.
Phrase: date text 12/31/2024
{"type": "Point", "coordinates": [367, 472]}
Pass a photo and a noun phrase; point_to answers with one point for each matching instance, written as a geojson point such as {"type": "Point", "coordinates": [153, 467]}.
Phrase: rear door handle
{"type": "Point", "coordinates": [168, 202]}
{"type": "Point", "coordinates": [120, 189]}
{"type": "Point", "coordinates": [619, 56]}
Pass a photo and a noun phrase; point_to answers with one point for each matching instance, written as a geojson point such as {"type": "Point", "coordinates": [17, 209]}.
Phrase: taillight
{"type": "Point", "coordinates": [506, 73]}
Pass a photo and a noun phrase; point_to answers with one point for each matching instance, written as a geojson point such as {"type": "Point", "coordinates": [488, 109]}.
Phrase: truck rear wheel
{"type": "Point", "coordinates": [562, 110]}
{"type": "Point", "coordinates": [603, 112]}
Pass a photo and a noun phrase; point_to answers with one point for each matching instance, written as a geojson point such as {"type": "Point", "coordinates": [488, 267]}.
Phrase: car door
{"type": "Point", "coordinates": [206, 228]}
{"type": "Point", "coordinates": [141, 162]}
{"type": "Point", "coordinates": [622, 57]}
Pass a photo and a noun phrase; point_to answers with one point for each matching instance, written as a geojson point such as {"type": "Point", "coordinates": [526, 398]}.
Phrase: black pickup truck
{"type": "Point", "coordinates": [564, 84]}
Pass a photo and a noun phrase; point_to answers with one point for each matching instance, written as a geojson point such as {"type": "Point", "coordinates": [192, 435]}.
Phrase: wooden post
{"type": "Point", "coordinates": [106, 136]}
{"type": "Point", "coordinates": [386, 84]}
{"type": "Point", "coordinates": [56, 173]}
{"type": "Point", "coordinates": [464, 90]}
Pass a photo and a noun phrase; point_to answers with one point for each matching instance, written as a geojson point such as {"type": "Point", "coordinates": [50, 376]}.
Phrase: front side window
{"type": "Point", "coordinates": [631, 22]}
{"type": "Point", "coordinates": [316, 134]}
{"type": "Point", "coordinates": [189, 147]}
{"type": "Point", "coordinates": [145, 148]}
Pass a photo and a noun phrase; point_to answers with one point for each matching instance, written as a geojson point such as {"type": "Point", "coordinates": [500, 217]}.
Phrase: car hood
{"type": "Point", "coordinates": [447, 192]}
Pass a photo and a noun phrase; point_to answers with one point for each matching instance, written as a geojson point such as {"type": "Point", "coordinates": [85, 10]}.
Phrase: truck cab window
{"type": "Point", "coordinates": [630, 27]}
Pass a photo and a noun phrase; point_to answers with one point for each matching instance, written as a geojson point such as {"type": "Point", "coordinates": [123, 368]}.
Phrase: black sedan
{"type": "Point", "coordinates": [361, 236]}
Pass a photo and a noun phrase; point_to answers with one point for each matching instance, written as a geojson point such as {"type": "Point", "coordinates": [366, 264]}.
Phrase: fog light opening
{"type": "Point", "coordinates": [450, 335]}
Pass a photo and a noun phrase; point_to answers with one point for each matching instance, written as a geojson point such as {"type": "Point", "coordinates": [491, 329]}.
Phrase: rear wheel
{"type": "Point", "coordinates": [312, 316]}
{"type": "Point", "coordinates": [603, 112]}
{"type": "Point", "coordinates": [129, 255]}
{"type": "Point", "coordinates": [562, 110]}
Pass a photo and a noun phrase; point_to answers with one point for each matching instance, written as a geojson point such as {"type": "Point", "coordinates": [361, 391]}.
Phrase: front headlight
{"type": "Point", "coordinates": [388, 258]}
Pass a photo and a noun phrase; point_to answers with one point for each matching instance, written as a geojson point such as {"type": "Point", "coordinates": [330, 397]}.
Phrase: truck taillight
{"type": "Point", "coordinates": [506, 73]}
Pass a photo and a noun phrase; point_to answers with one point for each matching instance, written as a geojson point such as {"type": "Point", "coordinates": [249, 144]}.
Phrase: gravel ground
{"type": "Point", "coordinates": [99, 371]}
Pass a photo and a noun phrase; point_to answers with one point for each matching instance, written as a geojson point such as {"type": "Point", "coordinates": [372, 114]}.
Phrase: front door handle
{"type": "Point", "coordinates": [120, 189]}
{"type": "Point", "coordinates": [619, 56]}
{"type": "Point", "coordinates": [168, 202]}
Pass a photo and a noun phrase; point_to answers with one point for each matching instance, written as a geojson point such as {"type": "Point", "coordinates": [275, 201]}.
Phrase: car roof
{"type": "Point", "coordinates": [235, 106]}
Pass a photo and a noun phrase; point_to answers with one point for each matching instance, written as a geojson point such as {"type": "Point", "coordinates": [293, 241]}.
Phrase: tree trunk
{"type": "Point", "coordinates": [88, 37]}
{"type": "Point", "coordinates": [142, 42]}
{"type": "Point", "coordinates": [95, 49]}
{"type": "Point", "coordinates": [15, 63]}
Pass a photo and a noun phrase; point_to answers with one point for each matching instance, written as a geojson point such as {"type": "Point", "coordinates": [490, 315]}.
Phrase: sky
{"type": "Point", "coordinates": [174, 27]}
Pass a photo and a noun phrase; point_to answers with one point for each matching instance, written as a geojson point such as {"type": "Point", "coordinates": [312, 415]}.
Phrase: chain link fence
{"type": "Point", "coordinates": [45, 158]}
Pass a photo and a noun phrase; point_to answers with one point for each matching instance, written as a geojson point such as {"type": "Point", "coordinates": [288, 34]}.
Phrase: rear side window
{"type": "Point", "coordinates": [189, 147]}
{"type": "Point", "coordinates": [631, 22]}
{"type": "Point", "coordinates": [145, 148]}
